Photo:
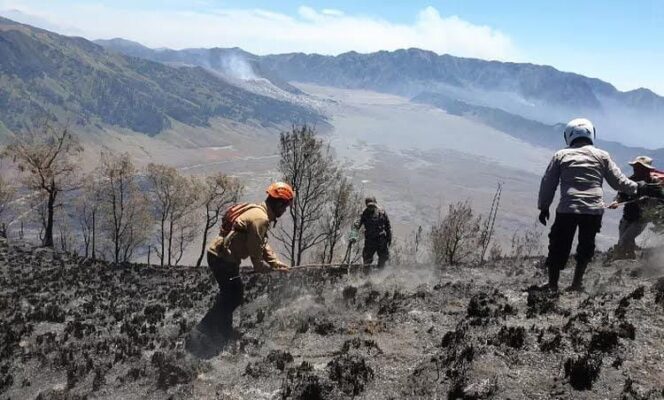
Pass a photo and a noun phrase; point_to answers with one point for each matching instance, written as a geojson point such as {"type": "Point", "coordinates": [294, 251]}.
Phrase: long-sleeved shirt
{"type": "Point", "coordinates": [580, 171]}
{"type": "Point", "coordinates": [633, 211]}
{"type": "Point", "coordinates": [249, 239]}
{"type": "Point", "coordinates": [376, 223]}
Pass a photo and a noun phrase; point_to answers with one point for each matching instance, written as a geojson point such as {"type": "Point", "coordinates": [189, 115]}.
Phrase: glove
{"type": "Point", "coordinates": [281, 267]}
{"type": "Point", "coordinates": [613, 205]}
{"type": "Point", "coordinates": [649, 190]}
{"type": "Point", "coordinates": [543, 216]}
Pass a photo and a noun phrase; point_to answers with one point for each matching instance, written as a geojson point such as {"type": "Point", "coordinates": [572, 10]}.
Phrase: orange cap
{"type": "Point", "coordinates": [281, 190]}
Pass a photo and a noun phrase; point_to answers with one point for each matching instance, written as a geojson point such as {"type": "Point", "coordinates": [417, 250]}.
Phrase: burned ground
{"type": "Point", "coordinates": [73, 329]}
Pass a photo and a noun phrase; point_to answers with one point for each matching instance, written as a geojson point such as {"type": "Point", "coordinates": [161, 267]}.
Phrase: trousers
{"type": "Point", "coordinates": [562, 235]}
{"type": "Point", "coordinates": [218, 321]}
{"type": "Point", "coordinates": [629, 231]}
{"type": "Point", "coordinates": [373, 246]}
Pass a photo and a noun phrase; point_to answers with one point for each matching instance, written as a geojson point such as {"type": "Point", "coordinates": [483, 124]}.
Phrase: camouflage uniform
{"type": "Point", "coordinates": [632, 223]}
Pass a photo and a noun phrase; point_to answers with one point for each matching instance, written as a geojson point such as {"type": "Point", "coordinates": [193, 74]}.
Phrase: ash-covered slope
{"type": "Point", "coordinates": [72, 329]}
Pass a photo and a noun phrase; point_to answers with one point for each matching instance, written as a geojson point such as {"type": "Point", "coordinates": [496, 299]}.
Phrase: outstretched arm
{"type": "Point", "coordinates": [549, 184]}
{"type": "Point", "coordinates": [617, 180]}
{"type": "Point", "coordinates": [361, 221]}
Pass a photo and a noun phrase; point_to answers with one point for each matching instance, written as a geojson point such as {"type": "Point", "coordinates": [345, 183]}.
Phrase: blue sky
{"type": "Point", "coordinates": [619, 41]}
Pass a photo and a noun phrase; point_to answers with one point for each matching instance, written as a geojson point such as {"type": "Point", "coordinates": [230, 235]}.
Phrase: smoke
{"type": "Point", "coordinates": [653, 264]}
{"type": "Point", "coordinates": [398, 277]}
{"type": "Point", "coordinates": [652, 261]}
{"type": "Point", "coordinates": [301, 301]}
{"type": "Point", "coordinates": [238, 67]}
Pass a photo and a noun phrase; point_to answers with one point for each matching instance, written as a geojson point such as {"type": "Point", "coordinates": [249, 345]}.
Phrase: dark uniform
{"type": "Point", "coordinates": [377, 234]}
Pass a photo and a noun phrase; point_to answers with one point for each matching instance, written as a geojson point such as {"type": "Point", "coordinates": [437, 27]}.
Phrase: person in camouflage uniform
{"type": "Point", "coordinates": [377, 232]}
{"type": "Point", "coordinates": [634, 220]}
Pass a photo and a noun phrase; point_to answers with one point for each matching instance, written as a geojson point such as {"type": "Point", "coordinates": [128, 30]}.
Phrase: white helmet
{"type": "Point", "coordinates": [579, 128]}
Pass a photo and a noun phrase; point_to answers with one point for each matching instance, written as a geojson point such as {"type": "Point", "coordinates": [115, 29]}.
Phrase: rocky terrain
{"type": "Point", "coordinates": [74, 329]}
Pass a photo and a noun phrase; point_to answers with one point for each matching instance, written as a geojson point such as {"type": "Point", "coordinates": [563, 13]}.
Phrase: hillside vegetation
{"type": "Point", "coordinates": [43, 74]}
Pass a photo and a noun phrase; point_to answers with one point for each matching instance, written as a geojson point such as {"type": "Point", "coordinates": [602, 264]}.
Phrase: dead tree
{"type": "Point", "coordinates": [183, 219]}
{"type": "Point", "coordinates": [307, 164]}
{"type": "Point", "coordinates": [126, 220]}
{"type": "Point", "coordinates": [490, 222]}
{"type": "Point", "coordinates": [66, 237]}
{"type": "Point", "coordinates": [454, 238]}
{"type": "Point", "coordinates": [173, 199]}
{"type": "Point", "coordinates": [87, 212]}
{"type": "Point", "coordinates": [7, 193]}
{"type": "Point", "coordinates": [46, 156]}
{"type": "Point", "coordinates": [343, 206]}
{"type": "Point", "coordinates": [218, 193]}
{"type": "Point", "coordinates": [162, 180]}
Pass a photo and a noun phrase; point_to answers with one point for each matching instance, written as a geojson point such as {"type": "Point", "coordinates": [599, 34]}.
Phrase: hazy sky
{"type": "Point", "coordinates": [621, 42]}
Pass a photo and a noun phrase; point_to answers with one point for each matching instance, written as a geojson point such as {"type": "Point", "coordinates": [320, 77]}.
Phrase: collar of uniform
{"type": "Point", "coordinates": [580, 144]}
{"type": "Point", "coordinates": [270, 215]}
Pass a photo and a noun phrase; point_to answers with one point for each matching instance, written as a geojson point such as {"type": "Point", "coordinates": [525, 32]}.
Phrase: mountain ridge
{"type": "Point", "coordinates": [594, 83]}
{"type": "Point", "coordinates": [69, 78]}
{"type": "Point", "coordinates": [533, 132]}
{"type": "Point", "coordinates": [536, 92]}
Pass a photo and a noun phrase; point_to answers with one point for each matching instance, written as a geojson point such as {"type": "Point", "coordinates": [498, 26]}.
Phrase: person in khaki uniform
{"type": "Point", "coordinates": [245, 236]}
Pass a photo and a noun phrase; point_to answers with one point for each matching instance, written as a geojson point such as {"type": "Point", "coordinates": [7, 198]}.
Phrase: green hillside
{"type": "Point", "coordinates": [45, 74]}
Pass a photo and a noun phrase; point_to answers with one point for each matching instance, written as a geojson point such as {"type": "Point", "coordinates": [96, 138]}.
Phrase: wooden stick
{"type": "Point", "coordinates": [250, 270]}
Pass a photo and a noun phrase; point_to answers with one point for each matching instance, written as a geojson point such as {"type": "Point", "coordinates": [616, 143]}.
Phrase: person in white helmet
{"type": "Point", "coordinates": [580, 170]}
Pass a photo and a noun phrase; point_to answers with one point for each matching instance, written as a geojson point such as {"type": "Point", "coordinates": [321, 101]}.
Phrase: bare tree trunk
{"type": "Point", "coordinates": [50, 207]}
{"type": "Point", "coordinates": [86, 244]}
{"type": "Point", "coordinates": [170, 241]}
{"type": "Point", "coordinates": [85, 230]}
{"type": "Point", "coordinates": [180, 248]}
{"type": "Point", "coordinates": [162, 241]}
{"type": "Point", "coordinates": [205, 235]}
{"type": "Point", "coordinates": [94, 234]}
{"type": "Point", "coordinates": [295, 229]}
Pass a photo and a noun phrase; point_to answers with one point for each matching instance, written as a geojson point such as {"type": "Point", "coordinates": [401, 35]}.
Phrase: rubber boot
{"type": "Point", "coordinates": [552, 284]}
{"type": "Point", "coordinates": [577, 281]}
{"type": "Point", "coordinates": [200, 345]}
